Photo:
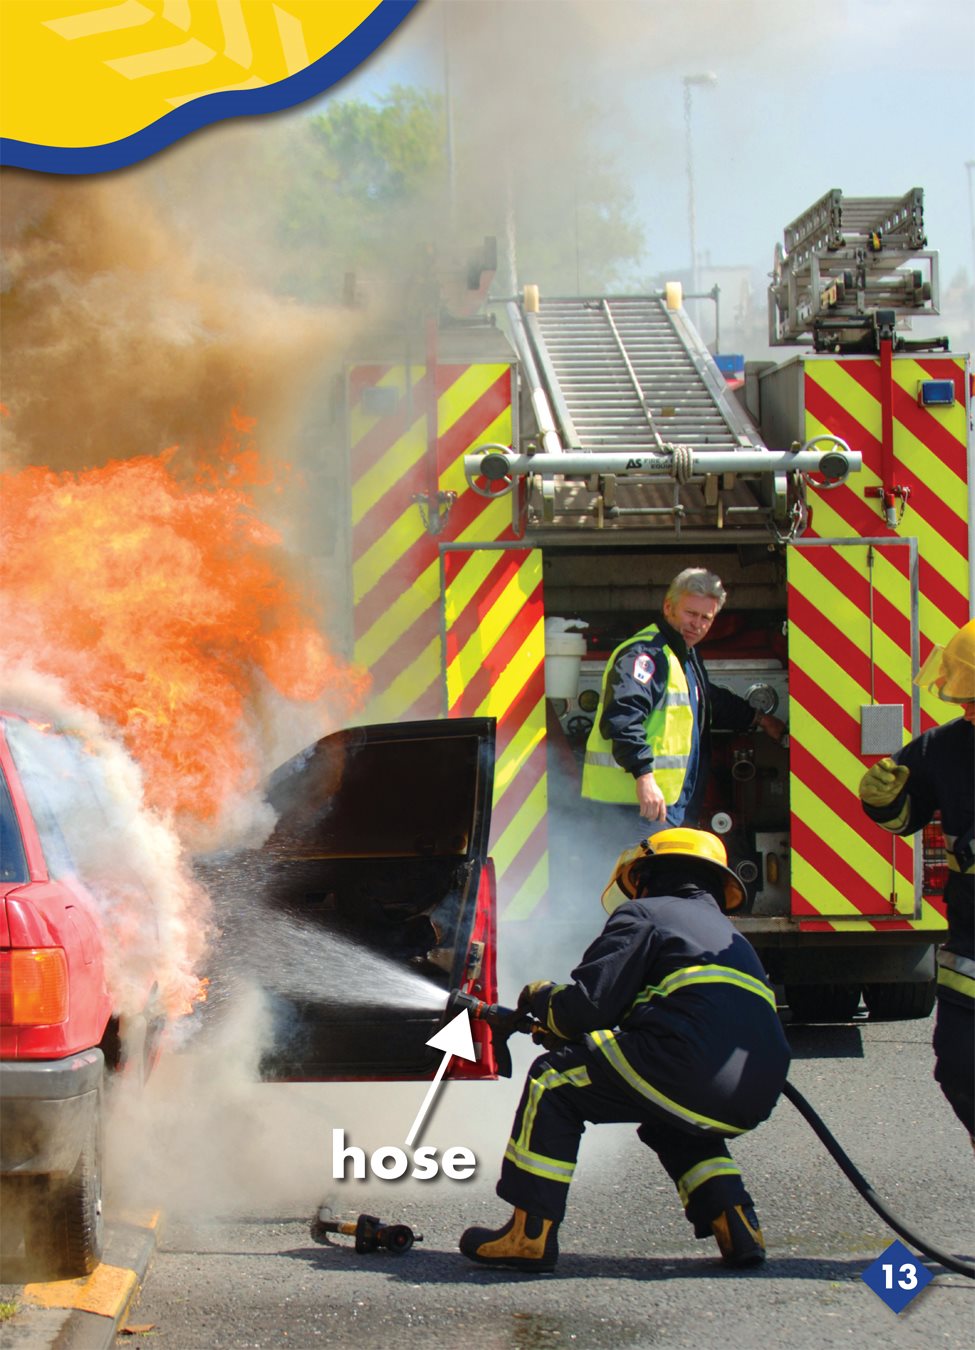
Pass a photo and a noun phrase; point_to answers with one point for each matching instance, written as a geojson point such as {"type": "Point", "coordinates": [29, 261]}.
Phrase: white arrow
{"type": "Point", "coordinates": [453, 1039]}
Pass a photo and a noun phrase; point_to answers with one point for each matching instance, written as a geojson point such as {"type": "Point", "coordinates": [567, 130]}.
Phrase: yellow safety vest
{"type": "Point", "coordinates": [669, 731]}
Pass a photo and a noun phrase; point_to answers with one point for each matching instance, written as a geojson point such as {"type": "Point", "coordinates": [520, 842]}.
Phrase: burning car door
{"type": "Point", "coordinates": [376, 897]}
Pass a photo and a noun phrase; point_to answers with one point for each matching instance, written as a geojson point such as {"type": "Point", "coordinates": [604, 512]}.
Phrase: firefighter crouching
{"type": "Point", "coordinates": [669, 1022]}
{"type": "Point", "coordinates": [936, 772]}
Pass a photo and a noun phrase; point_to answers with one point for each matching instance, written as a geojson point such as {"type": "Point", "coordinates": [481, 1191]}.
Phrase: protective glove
{"type": "Point", "coordinates": [533, 994]}
{"type": "Point", "coordinates": [551, 1040]}
{"type": "Point", "coordinates": [883, 783]}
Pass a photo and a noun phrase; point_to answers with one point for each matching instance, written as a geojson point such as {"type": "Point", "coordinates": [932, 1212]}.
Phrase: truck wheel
{"type": "Point", "coordinates": [899, 1002]}
{"type": "Point", "coordinates": [822, 1002]}
{"type": "Point", "coordinates": [64, 1231]}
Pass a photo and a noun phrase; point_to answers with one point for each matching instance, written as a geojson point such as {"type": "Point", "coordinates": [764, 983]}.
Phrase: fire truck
{"type": "Point", "coordinates": [550, 459]}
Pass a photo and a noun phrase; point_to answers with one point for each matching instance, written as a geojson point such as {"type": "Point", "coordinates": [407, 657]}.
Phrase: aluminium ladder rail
{"type": "Point", "coordinates": [629, 373]}
{"type": "Point", "coordinates": [848, 258]}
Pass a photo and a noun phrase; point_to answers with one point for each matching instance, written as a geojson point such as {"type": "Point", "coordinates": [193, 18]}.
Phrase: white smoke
{"type": "Point", "coordinates": [153, 916]}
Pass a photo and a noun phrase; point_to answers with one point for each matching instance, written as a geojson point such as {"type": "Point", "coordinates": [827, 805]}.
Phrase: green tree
{"type": "Point", "coordinates": [364, 185]}
{"type": "Point", "coordinates": [371, 188]}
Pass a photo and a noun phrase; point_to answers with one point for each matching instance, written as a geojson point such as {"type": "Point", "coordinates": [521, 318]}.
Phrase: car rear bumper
{"type": "Point", "coordinates": [46, 1107]}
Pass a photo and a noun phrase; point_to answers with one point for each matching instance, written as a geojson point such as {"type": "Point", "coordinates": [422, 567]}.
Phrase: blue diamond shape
{"type": "Point", "coordinates": [896, 1276]}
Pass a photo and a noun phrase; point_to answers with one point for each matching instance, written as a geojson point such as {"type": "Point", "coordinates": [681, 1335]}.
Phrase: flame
{"type": "Point", "coordinates": [157, 594]}
{"type": "Point", "coordinates": [200, 995]}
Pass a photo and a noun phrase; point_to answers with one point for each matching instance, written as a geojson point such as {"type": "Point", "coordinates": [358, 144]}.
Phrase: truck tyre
{"type": "Point", "coordinates": [899, 1002]}
{"type": "Point", "coordinates": [822, 1002]}
{"type": "Point", "coordinates": [64, 1230]}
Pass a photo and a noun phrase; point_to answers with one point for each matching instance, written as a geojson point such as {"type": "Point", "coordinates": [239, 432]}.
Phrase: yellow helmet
{"type": "Point", "coordinates": [949, 671]}
{"type": "Point", "coordinates": [680, 841]}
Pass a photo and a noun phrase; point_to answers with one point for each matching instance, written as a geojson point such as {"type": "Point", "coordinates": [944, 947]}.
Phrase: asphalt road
{"type": "Point", "coordinates": [235, 1266]}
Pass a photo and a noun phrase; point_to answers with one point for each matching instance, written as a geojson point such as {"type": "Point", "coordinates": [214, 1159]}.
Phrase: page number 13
{"type": "Point", "coordinates": [907, 1276]}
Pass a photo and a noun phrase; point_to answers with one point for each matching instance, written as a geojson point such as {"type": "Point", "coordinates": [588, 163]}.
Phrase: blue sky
{"type": "Point", "coordinates": [870, 96]}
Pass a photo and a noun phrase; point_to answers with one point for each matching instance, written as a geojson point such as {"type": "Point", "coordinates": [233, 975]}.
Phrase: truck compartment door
{"type": "Point", "coordinates": [853, 647]}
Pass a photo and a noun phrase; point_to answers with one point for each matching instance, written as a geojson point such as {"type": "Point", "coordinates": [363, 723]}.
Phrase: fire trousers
{"type": "Point", "coordinates": [569, 1088]}
{"type": "Point", "coordinates": [954, 1050]}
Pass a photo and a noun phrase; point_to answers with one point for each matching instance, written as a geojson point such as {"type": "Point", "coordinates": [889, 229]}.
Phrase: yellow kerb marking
{"type": "Point", "coordinates": [107, 1291]}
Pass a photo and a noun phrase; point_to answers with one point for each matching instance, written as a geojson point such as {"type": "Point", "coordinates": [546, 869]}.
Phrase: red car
{"type": "Point", "coordinates": [379, 853]}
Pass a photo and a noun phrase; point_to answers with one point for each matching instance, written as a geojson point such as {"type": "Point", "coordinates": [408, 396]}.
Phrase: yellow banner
{"type": "Point", "coordinates": [90, 85]}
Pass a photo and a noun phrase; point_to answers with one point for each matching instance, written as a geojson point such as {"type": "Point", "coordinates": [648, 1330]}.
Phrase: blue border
{"type": "Point", "coordinates": [202, 112]}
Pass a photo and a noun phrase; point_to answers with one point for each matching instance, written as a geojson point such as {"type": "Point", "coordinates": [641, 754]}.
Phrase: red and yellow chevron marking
{"type": "Point", "coordinates": [396, 456]}
{"type": "Point", "coordinates": [495, 644]}
{"type": "Point", "coordinates": [843, 865]}
{"type": "Point", "coordinates": [445, 625]}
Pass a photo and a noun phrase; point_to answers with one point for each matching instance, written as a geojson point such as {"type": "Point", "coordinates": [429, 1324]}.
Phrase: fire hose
{"type": "Point", "coordinates": [504, 1022]}
{"type": "Point", "coordinates": [370, 1233]}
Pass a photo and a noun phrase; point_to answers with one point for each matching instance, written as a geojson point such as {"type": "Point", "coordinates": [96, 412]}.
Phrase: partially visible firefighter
{"type": "Point", "coordinates": [936, 773]}
{"type": "Point", "coordinates": [669, 1022]}
{"type": "Point", "coordinates": [649, 745]}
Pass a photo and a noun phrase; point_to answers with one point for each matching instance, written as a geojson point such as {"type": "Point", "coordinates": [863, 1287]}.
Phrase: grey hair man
{"type": "Point", "coordinates": [650, 740]}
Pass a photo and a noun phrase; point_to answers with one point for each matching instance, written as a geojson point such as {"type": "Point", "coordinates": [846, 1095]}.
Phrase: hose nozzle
{"type": "Point", "coordinates": [503, 1022]}
{"type": "Point", "coordinates": [370, 1233]}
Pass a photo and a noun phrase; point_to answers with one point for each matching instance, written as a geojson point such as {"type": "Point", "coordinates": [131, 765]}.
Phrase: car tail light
{"type": "Point", "coordinates": [33, 986]}
{"type": "Point", "coordinates": [934, 858]}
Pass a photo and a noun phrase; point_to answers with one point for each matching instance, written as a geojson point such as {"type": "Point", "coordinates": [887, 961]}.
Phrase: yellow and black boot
{"type": "Point", "coordinates": [739, 1236]}
{"type": "Point", "coordinates": [524, 1243]}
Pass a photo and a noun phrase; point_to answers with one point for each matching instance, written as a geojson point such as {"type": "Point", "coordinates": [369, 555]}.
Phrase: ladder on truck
{"type": "Point", "coordinates": [848, 268]}
{"type": "Point", "coordinates": [630, 375]}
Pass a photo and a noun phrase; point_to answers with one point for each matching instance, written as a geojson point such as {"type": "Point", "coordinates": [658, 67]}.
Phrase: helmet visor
{"type": "Point", "coordinates": [949, 682]}
{"type": "Point", "coordinates": [931, 675]}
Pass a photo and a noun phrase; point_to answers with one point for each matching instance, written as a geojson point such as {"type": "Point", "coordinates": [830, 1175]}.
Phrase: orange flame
{"type": "Point", "coordinates": [163, 606]}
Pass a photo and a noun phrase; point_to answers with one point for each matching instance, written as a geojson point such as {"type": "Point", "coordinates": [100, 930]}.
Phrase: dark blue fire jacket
{"type": "Point", "coordinates": [942, 778]}
{"type": "Point", "coordinates": [676, 1009]}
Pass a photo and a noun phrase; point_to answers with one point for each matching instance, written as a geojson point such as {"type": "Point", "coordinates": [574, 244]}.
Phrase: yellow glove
{"type": "Point", "coordinates": [881, 784]}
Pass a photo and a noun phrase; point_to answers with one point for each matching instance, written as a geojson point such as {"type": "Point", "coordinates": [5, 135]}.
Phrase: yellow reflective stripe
{"type": "Point", "coordinates": [678, 979]}
{"type": "Point", "coordinates": [551, 1078]}
{"type": "Point", "coordinates": [963, 964]}
{"type": "Point", "coordinates": [961, 984]}
{"type": "Point", "coordinates": [606, 1042]}
{"type": "Point", "coordinates": [602, 759]}
{"type": "Point", "coordinates": [704, 1171]}
{"type": "Point", "coordinates": [549, 1168]}
{"type": "Point", "coordinates": [668, 729]}
{"type": "Point", "coordinates": [956, 980]}
{"type": "Point", "coordinates": [550, 1021]}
